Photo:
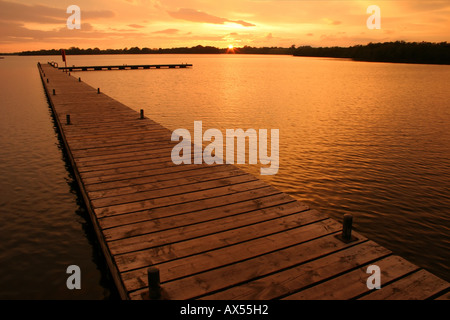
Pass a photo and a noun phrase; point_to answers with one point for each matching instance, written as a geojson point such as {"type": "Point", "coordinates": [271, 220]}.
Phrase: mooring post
{"type": "Point", "coordinates": [47, 80]}
{"type": "Point", "coordinates": [346, 235]}
{"type": "Point", "coordinates": [154, 287]}
{"type": "Point", "coordinates": [347, 227]}
{"type": "Point", "coordinates": [54, 92]}
{"type": "Point", "coordinates": [79, 79]}
{"type": "Point", "coordinates": [98, 90]}
{"type": "Point", "coordinates": [68, 119]}
{"type": "Point", "coordinates": [142, 113]}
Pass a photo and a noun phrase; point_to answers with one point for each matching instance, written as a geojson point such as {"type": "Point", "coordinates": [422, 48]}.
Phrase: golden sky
{"type": "Point", "coordinates": [41, 24]}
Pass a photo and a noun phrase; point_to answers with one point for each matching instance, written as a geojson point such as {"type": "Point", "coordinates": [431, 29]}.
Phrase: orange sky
{"type": "Point", "coordinates": [41, 24]}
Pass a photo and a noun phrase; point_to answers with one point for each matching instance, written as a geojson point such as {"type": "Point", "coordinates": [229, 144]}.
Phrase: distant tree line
{"type": "Point", "coordinates": [399, 51]}
{"type": "Point", "coordinates": [133, 50]}
{"type": "Point", "coordinates": [181, 50]}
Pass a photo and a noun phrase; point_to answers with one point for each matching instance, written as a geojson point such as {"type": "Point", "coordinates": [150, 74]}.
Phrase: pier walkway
{"type": "Point", "coordinates": [212, 231]}
{"type": "Point", "coordinates": [123, 67]}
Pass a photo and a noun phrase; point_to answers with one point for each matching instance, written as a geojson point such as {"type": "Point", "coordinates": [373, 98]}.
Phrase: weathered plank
{"type": "Point", "coordinates": [419, 285]}
{"type": "Point", "coordinates": [190, 197]}
{"type": "Point", "coordinates": [353, 284]}
{"type": "Point", "coordinates": [219, 239]}
{"type": "Point", "coordinates": [214, 207]}
{"type": "Point", "coordinates": [241, 271]}
{"type": "Point", "coordinates": [162, 182]}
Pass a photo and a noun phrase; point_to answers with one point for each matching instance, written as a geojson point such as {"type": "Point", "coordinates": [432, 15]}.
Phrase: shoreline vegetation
{"type": "Point", "coordinates": [399, 51]}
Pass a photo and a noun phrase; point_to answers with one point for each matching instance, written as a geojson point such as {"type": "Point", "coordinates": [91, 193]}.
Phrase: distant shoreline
{"type": "Point", "coordinates": [390, 52]}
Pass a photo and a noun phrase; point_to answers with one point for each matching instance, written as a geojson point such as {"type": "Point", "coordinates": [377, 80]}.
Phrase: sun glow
{"type": "Point", "coordinates": [231, 49]}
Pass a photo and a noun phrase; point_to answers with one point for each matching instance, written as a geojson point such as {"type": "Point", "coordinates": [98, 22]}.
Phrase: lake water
{"type": "Point", "coordinates": [370, 139]}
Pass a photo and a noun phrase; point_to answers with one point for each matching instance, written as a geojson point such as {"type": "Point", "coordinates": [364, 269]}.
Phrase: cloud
{"type": "Point", "coordinates": [136, 26]}
{"type": "Point", "coordinates": [18, 33]}
{"type": "Point", "coordinates": [199, 16]}
{"type": "Point", "coordinates": [10, 11]}
{"type": "Point", "coordinates": [331, 21]}
{"type": "Point", "coordinates": [429, 5]}
{"type": "Point", "coordinates": [243, 23]}
{"type": "Point", "coordinates": [167, 31]}
{"type": "Point", "coordinates": [18, 12]}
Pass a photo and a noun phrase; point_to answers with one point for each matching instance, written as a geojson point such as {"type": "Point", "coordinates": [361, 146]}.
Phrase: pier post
{"type": "Point", "coordinates": [142, 114]}
{"type": "Point", "coordinates": [79, 79]}
{"type": "Point", "coordinates": [68, 119]}
{"type": "Point", "coordinates": [154, 287]}
{"type": "Point", "coordinates": [346, 235]}
{"type": "Point", "coordinates": [98, 90]}
{"type": "Point", "coordinates": [347, 227]}
{"type": "Point", "coordinates": [54, 92]}
{"type": "Point", "coordinates": [47, 80]}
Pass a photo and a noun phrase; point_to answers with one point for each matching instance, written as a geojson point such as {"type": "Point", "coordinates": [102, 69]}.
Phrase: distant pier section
{"type": "Point", "coordinates": [122, 67]}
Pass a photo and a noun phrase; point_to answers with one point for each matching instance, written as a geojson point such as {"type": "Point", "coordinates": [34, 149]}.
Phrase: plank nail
{"type": "Point", "coordinates": [68, 119]}
{"type": "Point", "coordinates": [54, 92]}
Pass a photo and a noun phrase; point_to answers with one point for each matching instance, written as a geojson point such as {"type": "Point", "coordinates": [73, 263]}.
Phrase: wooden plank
{"type": "Point", "coordinates": [82, 139]}
{"type": "Point", "coordinates": [119, 140]}
{"type": "Point", "coordinates": [352, 284]}
{"type": "Point", "coordinates": [80, 128]}
{"type": "Point", "coordinates": [199, 284]}
{"type": "Point", "coordinates": [80, 135]}
{"type": "Point", "coordinates": [180, 232]}
{"type": "Point", "coordinates": [137, 168]}
{"type": "Point", "coordinates": [193, 266]}
{"type": "Point", "coordinates": [133, 147]}
{"type": "Point", "coordinates": [119, 157]}
{"type": "Point", "coordinates": [239, 177]}
{"type": "Point", "coordinates": [172, 249]}
{"type": "Point", "coordinates": [154, 175]}
{"type": "Point", "coordinates": [214, 207]}
{"type": "Point", "coordinates": [133, 238]}
{"type": "Point", "coordinates": [420, 285]}
{"type": "Point", "coordinates": [177, 199]}
{"type": "Point", "coordinates": [166, 181]}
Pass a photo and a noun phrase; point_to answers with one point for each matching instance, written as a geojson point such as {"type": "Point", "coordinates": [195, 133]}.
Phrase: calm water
{"type": "Point", "coordinates": [371, 139]}
{"type": "Point", "coordinates": [43, 228]}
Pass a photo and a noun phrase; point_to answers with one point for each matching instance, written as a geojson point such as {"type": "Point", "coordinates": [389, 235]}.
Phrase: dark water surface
{"type": "Point", "coordinates": [43, 227]}
{"type": "Point", "coordinates": [371, 139]}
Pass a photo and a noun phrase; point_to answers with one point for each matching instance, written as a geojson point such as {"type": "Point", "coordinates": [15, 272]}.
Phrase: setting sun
{"type": "Point", "coordinates": [230, 47]}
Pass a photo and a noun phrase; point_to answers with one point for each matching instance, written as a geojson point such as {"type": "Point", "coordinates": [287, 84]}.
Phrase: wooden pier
{"type": "Point", "coordinates": [122, 67]}
{"type": "Point", "coordinates": [211, 231]}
